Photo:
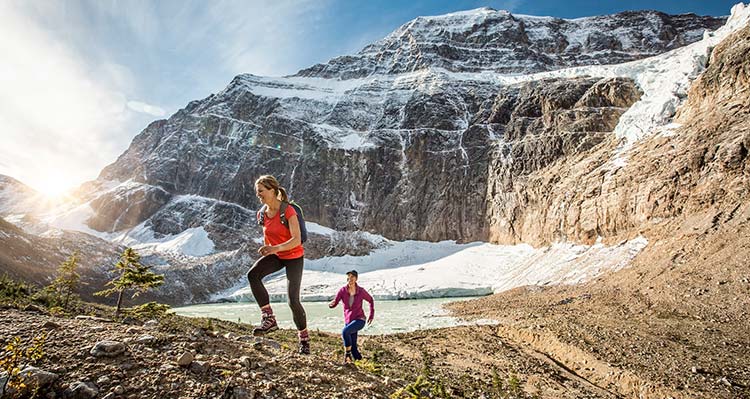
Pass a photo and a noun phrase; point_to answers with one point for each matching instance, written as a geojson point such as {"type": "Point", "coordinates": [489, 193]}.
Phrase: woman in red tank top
{"type": "Point", "coordinates": [282, 249]}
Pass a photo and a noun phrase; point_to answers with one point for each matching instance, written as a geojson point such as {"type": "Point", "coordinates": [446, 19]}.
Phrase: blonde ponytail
{"type": "Point", "coordinates": [282, 195]}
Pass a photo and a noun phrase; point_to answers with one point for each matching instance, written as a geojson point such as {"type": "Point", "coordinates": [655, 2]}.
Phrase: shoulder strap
{"type": "Point", "coordinates": [282, 214]}
{"type": "Point", "coordinates": [262, 215]}
{"type": "Point", "coordinates": [297, 208]}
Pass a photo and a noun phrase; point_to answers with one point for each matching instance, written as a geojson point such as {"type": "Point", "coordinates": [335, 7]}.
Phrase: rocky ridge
{"type": "Point", "coordinates": [490, 40]}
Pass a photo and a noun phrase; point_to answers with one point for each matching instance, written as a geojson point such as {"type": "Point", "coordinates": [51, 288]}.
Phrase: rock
{"type": "Point", "coordinates": [119, 390]}
{"type": "Point", "coordinates": [197, 334]}
{"type": "Point", "coordinates": [167, 367]}
{"type": "Point", "coordinates": [3, 380]}
{"type": "Point", "coordinates": [146, 339]}
{"type": "Point", "coordinates": [110, 395]}
{"type": "Point", "coordinates": [81, 390]}
{"type": "Point", "coordinates": [725, 381]}
{"type": "Point", "coordinates": [260, 341]}
{"type": "Point", "coordinates": [133, 330]}
{"type": "Point", "coordinates": [151, 324]}
{"type": "Point", "coordinates": [50, 325]}
{"type": "Point", "coordinates": [103, 380]}
{"type": "Point", "coordinates": [242, 393]}
{"type": "Point", "coordinates": [96, 329]}
{"type": "Point", "coordinates": [245, 361]}
{"type": "Point", "coordinates": [126, 366]}
{"type": "Point", "coordinates": [185, 359]}
{"type": "Point", "coordinates": [108, 349]}
{"type": "Point", "coordinates": [93, 318]}
{"type": "Point", "coordinates": [32, 308]}
{"type": "Point", "coordinates": [199, 367]}
{"type": "Point", "coordinates": [37, 377]}
{"type": "Point", "coordinates": [130, 321]}
{"type": "Point", "coordinates": [126, 206]}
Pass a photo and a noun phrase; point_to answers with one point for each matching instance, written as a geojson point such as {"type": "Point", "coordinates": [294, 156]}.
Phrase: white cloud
{"type": "Point", "coordinates": [264, 38]}
{"type": "Point", "coordinates": [146, 108]}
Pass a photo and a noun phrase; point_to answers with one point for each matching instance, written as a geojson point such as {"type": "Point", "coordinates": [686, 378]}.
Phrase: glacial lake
{"type": "Point", "coordinates": [391, 316]}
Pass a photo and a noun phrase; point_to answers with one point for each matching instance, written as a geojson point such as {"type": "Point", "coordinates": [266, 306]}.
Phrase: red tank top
{"type": "Point", "coordinates": [276, 233]}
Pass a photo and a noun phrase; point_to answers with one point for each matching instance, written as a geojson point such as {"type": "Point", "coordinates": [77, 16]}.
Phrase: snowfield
{"type": "Point", "coordinates": [413, 269]}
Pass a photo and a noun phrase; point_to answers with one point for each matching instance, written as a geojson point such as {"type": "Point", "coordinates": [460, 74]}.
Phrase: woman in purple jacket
{"type": "Point", "coordinates": [354, 316]}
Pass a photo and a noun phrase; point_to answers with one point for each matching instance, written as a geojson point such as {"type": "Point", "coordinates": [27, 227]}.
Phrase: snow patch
{"type": "Point", "coordinates": [191, 242]}
{"type": "Point", "coordinates": [75, 219]}
{"type": "Point", "coordinates": [413, 269]}
{"type": "Point", "coordinates": [318, 229]}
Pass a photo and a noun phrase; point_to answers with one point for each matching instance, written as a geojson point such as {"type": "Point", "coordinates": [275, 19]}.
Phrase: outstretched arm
{"type": "Point", "coordinates": [335, 300]}
{"type": "Point", "coordinates": [367, 297]}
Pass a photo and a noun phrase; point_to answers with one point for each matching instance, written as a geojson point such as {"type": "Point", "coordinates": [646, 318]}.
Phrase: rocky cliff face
{"type": "Point", "coordinates": [423, 173]}
{"type": "Point", "coordinates": [697, 172]}
{"type": "Point", "coordinates": [498, 41]}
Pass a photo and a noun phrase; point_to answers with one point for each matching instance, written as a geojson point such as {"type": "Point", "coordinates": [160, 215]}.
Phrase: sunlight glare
{"type": "Point", "coordinates": [54, 186]}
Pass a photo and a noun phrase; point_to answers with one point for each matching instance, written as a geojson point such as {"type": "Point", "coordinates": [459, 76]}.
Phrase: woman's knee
{"type": "Point", "coordinates": [293, 303]}
{"type": "Point", "coordinates": [253, 275]}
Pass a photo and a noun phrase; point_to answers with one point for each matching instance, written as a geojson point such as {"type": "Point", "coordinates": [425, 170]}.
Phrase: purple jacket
{"type": "Point", "coordinates": [355, 311]}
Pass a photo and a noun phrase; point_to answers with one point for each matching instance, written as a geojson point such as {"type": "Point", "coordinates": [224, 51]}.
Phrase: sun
{"type": "Point", "coordinates": [54, 186]}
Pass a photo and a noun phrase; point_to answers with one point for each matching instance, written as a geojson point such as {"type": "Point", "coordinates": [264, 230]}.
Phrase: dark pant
{"type": "Point", "coordinates": [349, 333]}
{"type": "Point", "coordinates": [271, 264]}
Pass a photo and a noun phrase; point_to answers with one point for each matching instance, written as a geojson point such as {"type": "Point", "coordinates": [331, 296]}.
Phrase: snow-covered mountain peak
{"type": "Point", "coordinates": [488, 40]}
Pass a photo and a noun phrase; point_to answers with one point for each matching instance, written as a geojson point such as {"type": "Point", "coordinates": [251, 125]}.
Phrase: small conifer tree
{"type": "Point", "coordinates": [66, 283]}
{"type": "Point", "coordinates": [132, 276]}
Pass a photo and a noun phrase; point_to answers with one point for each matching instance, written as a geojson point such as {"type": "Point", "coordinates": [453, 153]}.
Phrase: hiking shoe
{"type": "Point", "coordinates": [267, 324]}
{"type": "Point", "coordinates": [304, 347]}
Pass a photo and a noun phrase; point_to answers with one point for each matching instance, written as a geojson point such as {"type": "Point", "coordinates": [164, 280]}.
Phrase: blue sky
{"type": "Point", "coordinates": [81, 78]}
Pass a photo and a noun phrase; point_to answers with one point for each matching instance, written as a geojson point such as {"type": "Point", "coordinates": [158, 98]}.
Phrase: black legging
{"type": "Point", "coordinates": [271, 264]}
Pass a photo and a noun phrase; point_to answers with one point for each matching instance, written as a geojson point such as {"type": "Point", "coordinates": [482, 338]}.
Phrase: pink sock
{"type": "Point", "coordinates": [303, 335]}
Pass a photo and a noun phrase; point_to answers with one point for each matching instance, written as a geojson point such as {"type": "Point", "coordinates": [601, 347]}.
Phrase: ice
{"type": "Point", "coordinates": [447, 269]}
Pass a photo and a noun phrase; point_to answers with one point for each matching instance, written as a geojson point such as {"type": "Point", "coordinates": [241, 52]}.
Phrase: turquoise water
{"type": "Point", "coordinates": [390, 316]}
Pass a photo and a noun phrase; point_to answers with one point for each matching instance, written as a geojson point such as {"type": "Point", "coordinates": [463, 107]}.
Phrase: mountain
{"type": "Point", "coordinates": [16, 197]}
{"type": "Point", "coordinates": [409, 155]}
{"type": "Point", "coordinates": [498, 41]}
{"type": "Point", "coordinates": [35, 258]}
